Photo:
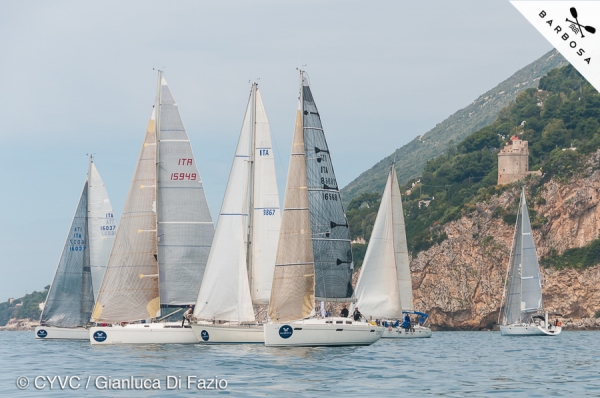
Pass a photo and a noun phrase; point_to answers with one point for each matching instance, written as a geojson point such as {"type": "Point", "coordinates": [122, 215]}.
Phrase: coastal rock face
{"type": "Point", "coordinates": [460, 281]}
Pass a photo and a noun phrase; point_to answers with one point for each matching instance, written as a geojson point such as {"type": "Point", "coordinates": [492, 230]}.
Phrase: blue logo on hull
{"type": "Point", "coordinates": [204, 335]}
{"type": "Point", "coordinates": [99, 336]}
{"type": "Point", "coordinates": [286, 331]}
{"type": "Point", "coordinates": [42, 333]}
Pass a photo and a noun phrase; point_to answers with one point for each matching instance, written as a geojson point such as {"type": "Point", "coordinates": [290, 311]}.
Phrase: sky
{"type": "Point", "coordinates": [79, 78]}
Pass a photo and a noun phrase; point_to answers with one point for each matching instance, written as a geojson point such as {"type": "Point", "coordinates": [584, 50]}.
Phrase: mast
{"type": "Point", "coordinates": [157, 130]}
{"type": "Point", "coordinates": [251, 183]}
{"type": "Point", "coordinates": [521, 259]}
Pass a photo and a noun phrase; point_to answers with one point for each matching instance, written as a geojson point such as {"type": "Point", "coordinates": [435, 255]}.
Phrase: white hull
{"type": "Point", "coordinates": [142, 333]}
{"type": "Point", "coordinates": [225, 334]}
{"type": "Point", "coordinates": [54, 333]}
{"type": "Point", "coordinates": [321, 332]}
{"type": "Point", "coordinates": [417, 332]}
{"type": "Point", "coordinates": [529, 330]}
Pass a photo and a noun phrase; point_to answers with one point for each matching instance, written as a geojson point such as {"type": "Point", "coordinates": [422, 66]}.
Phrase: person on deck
{"type": "Point", "coordinates": [407, 324]}
{"type": "Point", "coordinates": [344, 313]}
{"type": "Point", "coordinates": [188, 315]}
{"type": "Point", "coordinates": [357, 314]}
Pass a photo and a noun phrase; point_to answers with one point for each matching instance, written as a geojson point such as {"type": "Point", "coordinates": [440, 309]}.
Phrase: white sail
{"type": "Point", "coordinates": [400, 247]}
{"type": "Point", "coordinates": [129, 289]}
{"type": "Point", "coordinates": [102, 226]}
{"type": "Point", "coordinates": [266, 219]}
{"type": "Point", "coordinates": [377, 290]}
{"type": "Point", "coordinates": [185, 227]}
{"type": "Point", "coordinates": [225, 292]}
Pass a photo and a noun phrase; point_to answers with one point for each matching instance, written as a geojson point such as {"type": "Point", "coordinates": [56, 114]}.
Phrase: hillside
{"type": "Point", "coordinates": [412, 157]}
{"type": "Point", "coordinates": [24, 307]}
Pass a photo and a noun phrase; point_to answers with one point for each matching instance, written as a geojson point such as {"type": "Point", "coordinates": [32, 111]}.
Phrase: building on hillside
{"type": "Point", "coordinates": [513, 161]}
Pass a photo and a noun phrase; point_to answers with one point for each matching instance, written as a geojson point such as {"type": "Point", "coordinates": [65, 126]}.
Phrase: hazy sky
{"type": "Point", "coordinates": [77, 77]}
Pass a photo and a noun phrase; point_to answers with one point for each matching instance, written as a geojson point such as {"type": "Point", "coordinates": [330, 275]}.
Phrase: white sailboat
{"type": "Point", "coordinates": [239, 271]}
{"type": "Point", "coordinates": [523, 313]}
{"type": "Point", "coordinates": [384, 287]}
{"type": "Point", "coordinates": [81, 266]}
{"type": "Point", "coordinates": [162, 244]}
{"type": "Point", "coordinates": [314, 256]}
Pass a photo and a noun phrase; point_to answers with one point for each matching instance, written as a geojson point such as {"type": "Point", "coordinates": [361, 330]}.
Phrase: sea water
{"type": "Point", "coordinates": [451, 364]}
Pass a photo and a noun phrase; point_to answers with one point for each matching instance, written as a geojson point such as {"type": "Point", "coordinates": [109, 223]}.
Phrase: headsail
{"type": "Point", "coordinates": [377, 290]}
{"type": "Point", "coordinates": [185, 227]}
{"type": "Point", "coordinates": [102, 226]}
{"type": "Point", "coordinates": [129, 290]}
{"type": "Point", "coordinates": [330, 232]}
{"type": "Point", "coordinates": [70, 299]}
{"type": "Point", "coordinates": [266, 219]}
{"type": "Point", "coordinates": [524, 282]}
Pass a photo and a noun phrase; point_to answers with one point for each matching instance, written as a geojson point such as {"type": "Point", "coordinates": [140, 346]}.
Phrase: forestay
{"type": "Point", "coordinates": [330, 233]}
{"type": "Point", "coordinates": [185, 227]}
{"type": "Point", "coordinates": [70, 299]}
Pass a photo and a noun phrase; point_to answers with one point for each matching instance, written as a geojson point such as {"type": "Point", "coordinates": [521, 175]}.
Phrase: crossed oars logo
{"type": "Point", "coordinates": [587, 28]}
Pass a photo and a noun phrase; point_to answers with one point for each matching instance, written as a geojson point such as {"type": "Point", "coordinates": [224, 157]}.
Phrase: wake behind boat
{"type": "Point", "coordinates": [523, 313]}
{"type": "Point", "coordinates": [70, 300]}
{"type": "Point", "coordinates": [314, 256]}
{"type": "Point", "coordinates": [239, 271]}
{"type": "Point", "coordinates": [161, 247]}
{"type": "Point", "coordinates": [384, 286]}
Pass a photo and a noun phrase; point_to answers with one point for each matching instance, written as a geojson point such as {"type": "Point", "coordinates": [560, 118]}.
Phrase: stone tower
{"type": "Point", "coordinates": [513, 161]}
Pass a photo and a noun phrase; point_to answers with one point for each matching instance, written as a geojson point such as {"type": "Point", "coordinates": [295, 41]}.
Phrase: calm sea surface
{"type": "Point", "coordinates": [449, 364]}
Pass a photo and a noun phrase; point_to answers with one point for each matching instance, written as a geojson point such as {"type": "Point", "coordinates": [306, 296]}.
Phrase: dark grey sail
{"type": "Point", "coordinates": [329, 227]}
{"type": "Point", "coordinates": [71, 297]}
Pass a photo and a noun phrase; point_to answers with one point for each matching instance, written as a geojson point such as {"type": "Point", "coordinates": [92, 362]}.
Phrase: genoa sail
{"type": "Point", "coordinates": [185, 226]}
{"type": "Point", "coordinates": [129, 290]}
{"type": "Point", "coordinates": [524, 282]}
{"type": "Point", "coordinates": [71, 298]}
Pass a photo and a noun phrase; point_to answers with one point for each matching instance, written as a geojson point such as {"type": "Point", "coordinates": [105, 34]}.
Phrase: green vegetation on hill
{"type": "Point", "coordinates": [412, 157]}
{"type": "Point", "coordinates": [563, 112]}
{"type": "Point", "coordinates": [579, 257]}
{"type": "Point", "coordinates": [24, 307]}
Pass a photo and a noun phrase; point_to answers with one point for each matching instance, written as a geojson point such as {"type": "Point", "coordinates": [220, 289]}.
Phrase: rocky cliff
{"type": "Point", "coordinates": [459, 282]}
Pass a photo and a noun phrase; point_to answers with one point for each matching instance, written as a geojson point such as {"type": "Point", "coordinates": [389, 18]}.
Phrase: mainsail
{"type": "Point", "coordinates": [378, 292]}
{"type": "Point", "coordinates": [70, 299]}
{"type": "Point", "coordinates": [102, 226]}
{"type": "Point", "coordinates": [400, 247]}
{"type": "Point", "coordinates": [226, 290]}
{"type": "Point", "coordinates": [185, 227]}
{"type": "Point", "coordinates": [314, 258]}
{"type": "Point", "coordinates": [129, 290]}
{"type": "Point", "coordinates": [524, 282]}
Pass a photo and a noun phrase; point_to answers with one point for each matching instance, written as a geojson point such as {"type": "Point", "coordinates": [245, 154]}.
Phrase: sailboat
{"type": "Point", "coordinates": [239, 271]}
{"type": "Point", "coordinates": [81, 266]}
{"type": "Point", "coordinates": [314, 256]}
{"type": "Point", "coordinates": [523, 313]}
{"type": "Point", "coordinates": [161, 247]}
{"type": "Point", "coordinates": [384, 287]}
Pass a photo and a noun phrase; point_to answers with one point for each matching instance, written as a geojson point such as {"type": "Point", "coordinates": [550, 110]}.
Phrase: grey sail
{"type": "Point", "coordinates": [185, 227]}
{"type": "Point", "coordinates": [524, 283]}
{"type": "Point", "coordinates": [71, 297]}
{"type": "Point", "coordinates": [330, 233]}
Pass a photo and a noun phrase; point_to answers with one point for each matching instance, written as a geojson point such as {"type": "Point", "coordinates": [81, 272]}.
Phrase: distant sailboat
{"type": "Point", "coordinates": [523, 313]}
{"type": "Point", "coordinates": [82, 264]}
{"type": "Point", "coordinates": [314, 256]}
{"type": "Point", "coordinates": [384, 287]}
{"type": "Point", "coordinates": [162, 245]}
{"type": "Point", "coordinates": [239, 271]}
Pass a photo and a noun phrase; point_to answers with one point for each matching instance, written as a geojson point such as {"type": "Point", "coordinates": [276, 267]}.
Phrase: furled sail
{"type": "Point", "coordinates": [185, 227]}
{"type": "Point", "coordinates": [524, 283]}
{"type": "Point", "coordinates": [70, 299]}
{"type": "Point", "coordinates": [102, 226]}
{"type": "Point", "coordinates": [266, 219]}
{"type": "Point", "coordinates": [129, 290]}
{"type": "Point", "coordinates": [330, 232]}
{"type": "Point", "coordinates": [225, 291]}
{"type": "Point", "coordinates": [377, 290]}
{"type": "Point", "coordinates": [293, 294]}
